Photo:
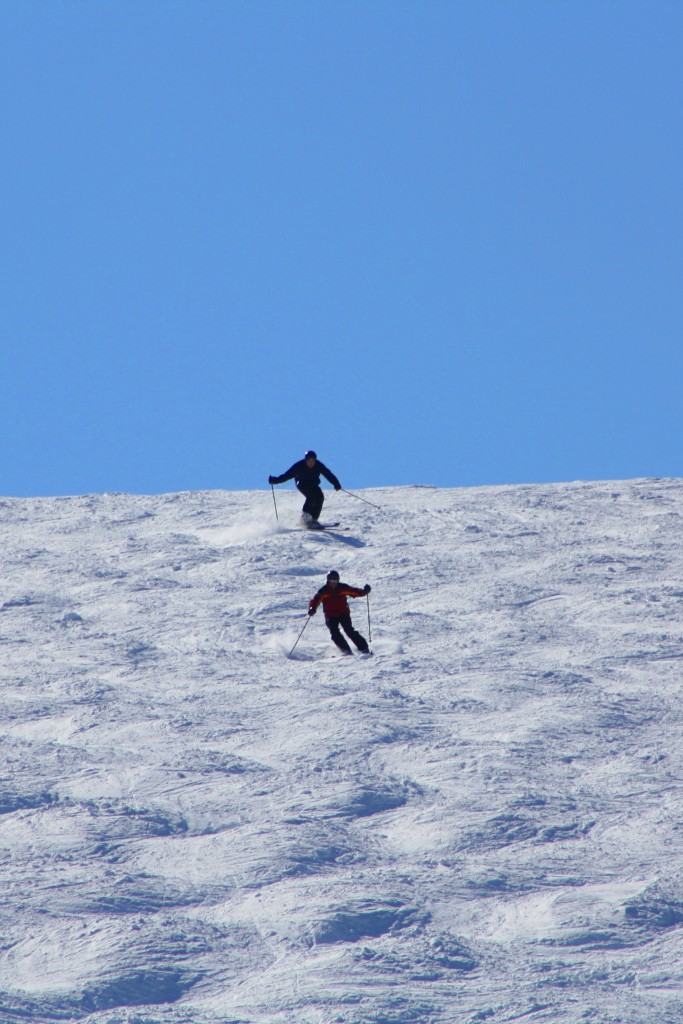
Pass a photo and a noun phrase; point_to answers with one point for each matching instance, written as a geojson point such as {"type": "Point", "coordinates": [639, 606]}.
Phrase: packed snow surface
{"type": "Point", "coordinates": [483, 822]}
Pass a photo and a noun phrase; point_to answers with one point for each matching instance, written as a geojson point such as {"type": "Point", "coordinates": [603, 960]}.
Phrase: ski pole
{"type": "Point", "coordinates": [274, 502]}
{"type": "Point", "coordinates": [369, 627]}
{"type": "Point", "coordinates": [299, 637]}
{"type": "Point", "coordinates": [361, 499]}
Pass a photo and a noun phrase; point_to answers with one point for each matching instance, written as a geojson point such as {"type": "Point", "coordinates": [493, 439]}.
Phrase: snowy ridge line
{"type": "Point", "coordinates": [480, 823]}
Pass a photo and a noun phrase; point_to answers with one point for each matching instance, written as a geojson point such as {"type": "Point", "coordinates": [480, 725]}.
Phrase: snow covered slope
{"type": "Point", "coordinates": [484, 822]}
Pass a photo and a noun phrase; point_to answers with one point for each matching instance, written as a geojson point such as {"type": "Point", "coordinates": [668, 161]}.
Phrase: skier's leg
{"type": "Point", "coordinates": [306, 514]}
{"type": "Point", "coordinates": [304, 511]}
{"type": "Point", "coordinates": [313, 503]}
{"type": "Point", "coordinates": [353, 634]}
{"type": "Point", "coordinates": [333, 626]}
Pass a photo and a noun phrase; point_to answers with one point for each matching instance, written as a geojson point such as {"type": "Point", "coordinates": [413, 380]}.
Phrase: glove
{"type": "Point", "coordinates": [311, 611]}
{"type": "Point", "coordinates": [272, 480]}
{"type": "Point", "coordinates": [367, 588]}
{"type": "Point", "coordinates": [338, 487]}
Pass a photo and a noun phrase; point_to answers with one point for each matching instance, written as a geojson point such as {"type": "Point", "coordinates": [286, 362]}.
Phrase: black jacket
{"type": "Point", "coordinates": [306, 479]}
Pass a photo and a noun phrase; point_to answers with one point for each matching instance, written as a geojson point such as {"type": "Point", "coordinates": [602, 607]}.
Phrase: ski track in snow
{"type": "Point", "coordinates": [481, 823]}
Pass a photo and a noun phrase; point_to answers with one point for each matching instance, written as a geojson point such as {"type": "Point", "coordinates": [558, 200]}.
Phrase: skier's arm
{"type": "Point", "coordinates": [314, 603]}
{"type": "Point", "coordinates": [329, 475]}
{"type": "Point", "coordinates": [289, 475]}
{"type": "Point", "coordinates": [348, 591]}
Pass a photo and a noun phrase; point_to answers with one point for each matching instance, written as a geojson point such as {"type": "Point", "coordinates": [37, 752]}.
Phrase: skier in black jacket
{"type": "Point", "coordinates": [306, 475]}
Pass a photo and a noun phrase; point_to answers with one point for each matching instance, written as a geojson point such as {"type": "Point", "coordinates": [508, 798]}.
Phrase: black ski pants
{"type": "Point", "coordinates": [314, 500]}
{"type": "Point", "coordinates": [333, 624]}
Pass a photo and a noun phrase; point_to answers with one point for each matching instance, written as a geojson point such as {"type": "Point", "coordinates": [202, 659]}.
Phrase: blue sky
{"type": "Point", "coordinates": [438, 242]}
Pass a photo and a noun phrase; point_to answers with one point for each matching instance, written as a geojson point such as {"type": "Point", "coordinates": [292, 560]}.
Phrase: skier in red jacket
{"type": "Point", "coordinates": [335, 606]}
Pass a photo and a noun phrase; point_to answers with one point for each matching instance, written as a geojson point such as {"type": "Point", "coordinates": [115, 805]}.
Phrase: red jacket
{"type": "Point", "coordinates": [333, 599]}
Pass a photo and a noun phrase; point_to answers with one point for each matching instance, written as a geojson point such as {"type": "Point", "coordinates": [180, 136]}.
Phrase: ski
{"type": "Point", "coordinates": [324, 526]}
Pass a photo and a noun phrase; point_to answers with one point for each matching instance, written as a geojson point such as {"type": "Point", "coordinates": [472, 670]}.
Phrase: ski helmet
{"type": "Point", "coordinates": [310, 455]}
{"type": "Point", "coordinates": [333, 575]}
